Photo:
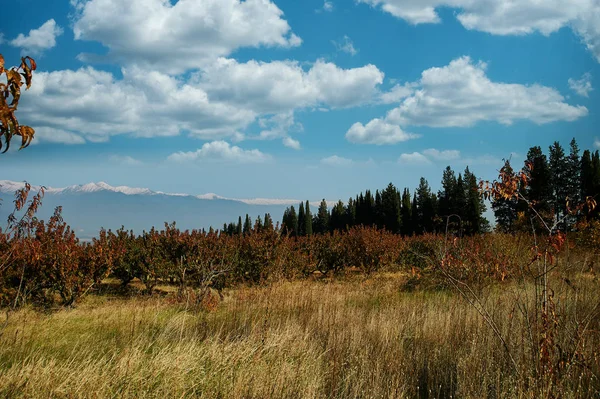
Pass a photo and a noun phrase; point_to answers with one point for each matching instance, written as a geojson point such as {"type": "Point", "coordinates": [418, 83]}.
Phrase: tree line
{"type": "Point", "coordinates": [555, 183]}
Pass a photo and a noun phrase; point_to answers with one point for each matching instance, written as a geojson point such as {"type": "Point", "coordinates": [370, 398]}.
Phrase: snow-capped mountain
{"type": "Point", "coordinates": [89, 207]}
{"type": "Point", "coordinates": [7, 186]}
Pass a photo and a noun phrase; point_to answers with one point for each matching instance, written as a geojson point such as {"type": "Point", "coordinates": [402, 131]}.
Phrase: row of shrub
{"type": "Point", "coordinates": [45, 263]}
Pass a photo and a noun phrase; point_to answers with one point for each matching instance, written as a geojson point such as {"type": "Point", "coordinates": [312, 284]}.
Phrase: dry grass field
{"type": "Point", "coordinates": [353, 337]}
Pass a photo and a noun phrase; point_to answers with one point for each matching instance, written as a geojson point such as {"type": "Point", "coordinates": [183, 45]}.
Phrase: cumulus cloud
{"type": "Point", "coordinates": [415, 158]}
{"type": "Point", "coordinates": [278, 86]}
{"type": "Point", "coordinates": [335, 160]}
{"type": "Point", "coordinates": [377, 132]}
{"type": "Point", "coordinates": [327, 6]}
{"type": "Point", "coordinates": [220, 151]}
{"type": "Point", "coordinates": [507, 17]}
{"type": "Point", "coordinates": [94, 105]}
{"type": "Point", "coordinates": [345, 45]}
{"type": "Point", "coordinates": [597, 143]}
{"type": "Point", "coordinates": [397, 93]}
{"type": "Point", "coordinates": [183, 35]}
{"type": "Point", "coordinates": [582, 86]}
{"type": "Point", "coordinates": [38, 40]}
{"type": "Point", "coordinates": [218, 103]}
{"type": "Point", "coordinates": [461, 95]}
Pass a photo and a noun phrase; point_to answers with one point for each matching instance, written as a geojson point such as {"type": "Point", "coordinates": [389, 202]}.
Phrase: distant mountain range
{"type": "Point", "coordinates": [89, 207]}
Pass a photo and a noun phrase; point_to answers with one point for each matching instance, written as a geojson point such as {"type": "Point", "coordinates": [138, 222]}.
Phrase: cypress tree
{"type": "Point", "coordinates": [351, 213]}
{"type": "Point", "coordinates": [415, 224]}
{"type": "Point", "coordinates": [247, 225]}
{"type": "Point", "coordinates": [596, 182]}
{"type": "Point", "coordinates": [426, 204]}
{"type": "Point", "coordinates": [539, 190]}
{"type": "Point", "coordinates": [505, 210]}
{"type": "Point", "coordinates": [258, 224]}
{"type": "Point", "coordinates": [475, 223]}
{"type": "Point", "coordinates": [406, 214]}
{"type": "Point", "coordinates": [390, 206]}
{"type": "Point", "coordinates": [301, 220]}
{"type": "Point", "coordinates": [586, 175]}
{"type": "Point", "coordinates": [573, 179]}
{"type": "Point", "coordinates": [378, 210]}
{"type": "Point", "coordinates": [558, 180]}
{"type": "Point", "coordinates": [322, 225]}
{"type": "Point", "coordinates": [308, 230]}
{"type": "Point", "coordinates": [446, 194]}
{"type": "Point", "coordinates": [338, 215]}
{"type": "Point", "coordinates": [268, 224]}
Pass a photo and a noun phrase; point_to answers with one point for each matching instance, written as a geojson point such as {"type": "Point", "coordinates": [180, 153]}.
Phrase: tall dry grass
{"type": "Point", "coordinates": [354, 338]}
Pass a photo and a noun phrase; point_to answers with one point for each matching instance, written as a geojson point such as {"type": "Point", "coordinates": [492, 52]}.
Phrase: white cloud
{"type": "Point", "coordinates": [125, 160]}
{"type": "Point", "coordinates": [51, 135]}
{"type": "Point", "coordinates": [397, 93]}
{"type": "Point", "coordinates": [180, 36]}
{"type": "Point", "coordinates": [38, 40]}
{"type": "Point", "coordinates": [414, 158]}
{"type": "Point", "coordinates": [461, 95]}
{"type": "Point", "coordinates": [279, 86]}
{"type": "Point", "coordinates": [597, 143]}
{"type": "Point", "coordinates": [335, 160]}
{"type": "Point", "coordinates": [218, 103]}
{"type": "Point", "coordinates": [291, 143]}
{"type": "Point", "coordinates": [220, 151]}
{"type": "Point", "coordinates": [327, 6]}
{"type": "Point", "coordinates": [94, 105]}
{"type": "Point", "coordinates": [377, 132]}
{"type": "Point", "coordinates": [582, 86]}
{"type": "Point", "coordinates": [345, 45]}
{"type": "Point", "coordinates": [507, 17]}
{"type": "Point", "coordinates": [446, 155]}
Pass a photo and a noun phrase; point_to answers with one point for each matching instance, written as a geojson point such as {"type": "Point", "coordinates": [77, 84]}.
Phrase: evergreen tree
{"type": "Point", "coordinates": [586, 175]}
{"type": "Point", "coordinates": [558, 180]}
{"type": "Point", "coordinates": [368, 209]}
{"type": "Point", "coordinates": [573, 179]}
{"type": "Point", "coordinates": [446, 194]}
{"type": "Point", "coordinates": [378, 211]}
{"type": "Point", "coordinates": [322, 220]}
{"type": "Point", "coordinates": [406, 214]}
{"type": "Point", "coordinates": [539, 190]}
{"type": "Point", "coordinates": [414, 221]}
{"type": "Point", "coordinates": [268, 224]}
{"type": "Point", "coordinates": [351, 213]}
{"type": "Point", "coordinates": [426, 204]}
{"type": "Point", "coordinates": [308, 220]}
{"type": "Point", "coordinates": [301, 220]}
{"type": "Point", "coordinates": [459, 205]}
{"type": "Point", "coordinates": [390, 209]}
{"type": "Point", "coordinates": [505, 210]}
{"type": "Point", "coordinates": [258, 224]}
{"type": "Point", "coordinates": [239, 226]}
{"type": "Point", "coordinates": [595, 185]}
{"type": "Point", "coordinates": [337, 221]}
{"type": "Point", "coordinates": [475, 223]}
{"type": "Point", "coordinates": [247, 225]}
{"type": "Point", "coordinates": [289, 223]}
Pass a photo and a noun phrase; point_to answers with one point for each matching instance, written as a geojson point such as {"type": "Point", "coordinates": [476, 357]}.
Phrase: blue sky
{"type": "Point", "coordinates": [297, 99]}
